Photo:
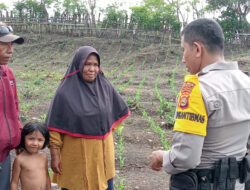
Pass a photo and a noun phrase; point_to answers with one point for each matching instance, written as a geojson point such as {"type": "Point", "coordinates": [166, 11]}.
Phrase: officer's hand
{"type": "Point", "coordinates": [156, 159]}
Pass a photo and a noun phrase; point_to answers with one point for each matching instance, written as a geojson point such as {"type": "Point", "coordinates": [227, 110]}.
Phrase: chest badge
{"type": "Point", "coordinates": [11, 82]}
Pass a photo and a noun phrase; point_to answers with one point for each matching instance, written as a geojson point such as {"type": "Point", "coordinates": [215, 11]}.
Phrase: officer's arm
{"type": "Point", "coordinates": [185, 153]}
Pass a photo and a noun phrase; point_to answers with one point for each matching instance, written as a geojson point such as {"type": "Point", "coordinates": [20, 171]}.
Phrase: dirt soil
{"type": "Point", "coordinates": [41, 62]}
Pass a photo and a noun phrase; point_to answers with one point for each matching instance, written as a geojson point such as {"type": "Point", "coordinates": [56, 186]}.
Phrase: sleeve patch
{"type": "Point", "coordinates": [186, 90]}
{"type": "Point", "coordinates": [191, 115]}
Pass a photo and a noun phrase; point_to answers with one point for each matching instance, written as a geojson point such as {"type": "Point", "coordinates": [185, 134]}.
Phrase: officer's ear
{"type": "Point", "coordinates": [198, 48]}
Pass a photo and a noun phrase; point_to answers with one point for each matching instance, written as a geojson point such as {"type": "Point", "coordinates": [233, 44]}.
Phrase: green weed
{"type": "Point", "coordinates": [121, 145]}
{"type": "Point", "coordinates": [121, 184]}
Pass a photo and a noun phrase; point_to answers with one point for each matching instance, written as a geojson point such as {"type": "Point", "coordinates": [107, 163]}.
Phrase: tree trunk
{"type": "Point", "coordinates": [99, 19]}
{"type": "Point", "coordinates": [93, 18]}
{"type": "Point", "coordinates": [87, 20]}
{"type": "Point", "coordinates": [126, 21]}
{"type": "Point", "coordinates": [92, 5]}
{"type": "Point", "coordinates": [45, 12]}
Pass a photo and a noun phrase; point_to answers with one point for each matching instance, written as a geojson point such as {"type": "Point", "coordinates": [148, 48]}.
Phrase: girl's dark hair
{"type": "Point", "coordinates": [31, 127]}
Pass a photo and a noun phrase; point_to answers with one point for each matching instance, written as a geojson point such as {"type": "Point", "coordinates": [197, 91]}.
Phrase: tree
{"type": "Point", "coordinates": [44, 10]}
{"type": "Point", "coordinates": [233, 14]}
{"type": "Point", "coordinates": [74, 7]}
{"type": "Point", "coordinates": [33, 8]}
{"type": "Point", "coordinates": [197, 8]}
{"type": "Point", "coordinates": [114, 18]}
{"type": "Point", "coordinates": [139, 17]}
{"type": "Point", "coordinates": [187, 8]}
{"type": "Point", "coordinates": [241, 7]}
{"type": "Point", "coordinates": [3, 7]}
{"type": "Point", "coordinates": [29, 8]}
{"type": "Point", "coordinates": [155, 15]}
{"type": "Point", "coordinates": [92, 6]}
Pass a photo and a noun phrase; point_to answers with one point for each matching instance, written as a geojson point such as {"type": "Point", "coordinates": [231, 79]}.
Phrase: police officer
{"type": "Point", "coordinates": [212, 120]}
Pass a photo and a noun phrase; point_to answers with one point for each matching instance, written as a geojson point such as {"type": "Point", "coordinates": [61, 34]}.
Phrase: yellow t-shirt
{"type": "Point", "coordinates": [191, 115]}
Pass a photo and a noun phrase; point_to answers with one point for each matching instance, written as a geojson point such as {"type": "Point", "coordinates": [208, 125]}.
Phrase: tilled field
{"type": "Point", "coordinates": [148, 76]}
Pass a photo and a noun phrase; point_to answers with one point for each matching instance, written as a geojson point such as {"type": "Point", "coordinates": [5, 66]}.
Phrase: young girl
{"type": "Point", "coordinates": [31, 166]}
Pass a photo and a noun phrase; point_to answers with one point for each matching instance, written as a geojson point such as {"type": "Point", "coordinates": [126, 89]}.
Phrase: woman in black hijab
{"type": "Point", "coordinates": [84, 112]}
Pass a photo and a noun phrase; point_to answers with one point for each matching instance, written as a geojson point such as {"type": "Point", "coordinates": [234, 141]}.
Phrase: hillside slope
{"type": "Point", "coordinates": [148, 76]}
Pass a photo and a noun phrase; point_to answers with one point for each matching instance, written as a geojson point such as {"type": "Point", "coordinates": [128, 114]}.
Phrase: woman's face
{"type": "Point", "coordinates": [91, 68]}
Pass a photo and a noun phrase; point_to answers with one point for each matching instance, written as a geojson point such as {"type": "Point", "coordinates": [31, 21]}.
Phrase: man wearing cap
{"type": "Point", "coordinates": [10, 125]}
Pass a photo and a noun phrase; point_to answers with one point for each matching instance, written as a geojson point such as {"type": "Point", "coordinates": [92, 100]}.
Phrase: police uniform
{"type": "Point", "coordinates": [212, 119]}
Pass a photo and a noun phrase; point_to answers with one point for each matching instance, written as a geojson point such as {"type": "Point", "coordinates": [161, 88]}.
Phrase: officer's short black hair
{"type": "Point", "coordinates": [30, 128]}
{"type": "Point", "coordinates": [206, 31]}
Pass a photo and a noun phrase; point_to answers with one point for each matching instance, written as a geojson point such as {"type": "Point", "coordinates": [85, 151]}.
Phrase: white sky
{"type": "Point", "coordinates": [99, 3]}
{"type": "Point", "coordinates": [126, 4]}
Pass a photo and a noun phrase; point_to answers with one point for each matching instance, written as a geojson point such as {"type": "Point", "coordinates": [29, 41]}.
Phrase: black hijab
{"type": "Point", "coordinates": [85, 109]}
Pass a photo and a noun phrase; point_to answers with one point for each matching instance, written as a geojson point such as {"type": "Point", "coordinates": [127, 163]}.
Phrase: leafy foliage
{"type": "Point", "coordinates": [74, 7]}
{"type": "Point", "coordinates": [29, 8]}
{"type": "Point", "coordinates": [114, 18]}
{"type": "Point", "coordinates": [2, 6]}
{"type": "Point", "coordinates": [155, 15]}
{"type": "Point", "coordinates": [233, 15]}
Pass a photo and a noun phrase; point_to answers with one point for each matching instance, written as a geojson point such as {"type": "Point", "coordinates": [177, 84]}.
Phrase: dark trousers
{"type": "Point", "coordinates": [5, 174]}
{"type": "Point", "coordinates": [110, 185]}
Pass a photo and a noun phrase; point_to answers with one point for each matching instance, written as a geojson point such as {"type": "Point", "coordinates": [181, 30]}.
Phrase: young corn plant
{"type": "Point", "coordinates": [109, 49]}
{"type": "Point", "coordinates": [121, 144]}
{"type": "Point", "coordinates": [121, 62]}
{"type": "Point", "coordinates": [125, 85]}
{"type": "Point", "coordinates": [164, 104]}
{"type": "Point", "coordinates": [121, 184]}
{"type": "Point", "coordinates": [157, 129]}
{"type": "Point", "coordinates": [101, 46]}
{"type": "Point", "coordinates": [43, 117]}
{"type": "Point", "coordinates": [115, 56]}
{"type": "Point", "coordinates": [138, 91]}
{"type": "Point", "coordinates": [162, 100]}
{"type": "Point", "coordinates": [130, 67]}
{"type": "Point", "coordinates": [123, 72]}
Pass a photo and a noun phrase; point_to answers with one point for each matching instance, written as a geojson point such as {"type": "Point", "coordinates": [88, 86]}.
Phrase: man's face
{"type": "Point", "coordinates": [5, 52]}
{"type": "Point", "coordinates": [190, 57]}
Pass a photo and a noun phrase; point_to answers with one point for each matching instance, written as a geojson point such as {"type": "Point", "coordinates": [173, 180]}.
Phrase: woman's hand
{"type": "Point", "coordinates": [56, 164]}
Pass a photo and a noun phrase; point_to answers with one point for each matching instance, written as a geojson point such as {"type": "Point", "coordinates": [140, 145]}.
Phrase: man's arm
{"type": "Point", "coordinates": [17, 104]}
{"type": "Point", "coordinates": [15, 174]}
{"type": "Point", "coordinates": [190, 130]}
{"type": "Point", "coordinates": [184, 155]}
